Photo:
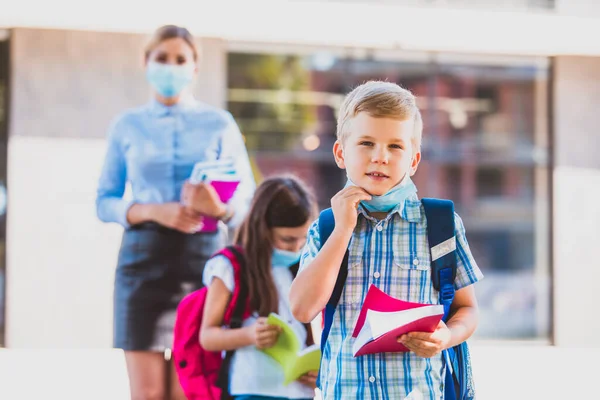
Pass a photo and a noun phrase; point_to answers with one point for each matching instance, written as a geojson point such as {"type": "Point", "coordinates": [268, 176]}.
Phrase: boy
{"type": "Point", "coordinates": [380, 220]}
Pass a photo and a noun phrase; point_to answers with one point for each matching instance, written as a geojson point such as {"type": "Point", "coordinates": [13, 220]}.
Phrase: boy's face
{"type": "Point", "coordinates": [377, 153]}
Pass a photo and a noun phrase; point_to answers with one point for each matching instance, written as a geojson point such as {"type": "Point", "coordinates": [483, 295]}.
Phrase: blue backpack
{"type": "Point", "coordinates": [442, 242]}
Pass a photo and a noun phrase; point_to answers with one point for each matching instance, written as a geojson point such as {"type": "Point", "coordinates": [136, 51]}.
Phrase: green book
{"type": "Point", "coordinates": [287, 353]}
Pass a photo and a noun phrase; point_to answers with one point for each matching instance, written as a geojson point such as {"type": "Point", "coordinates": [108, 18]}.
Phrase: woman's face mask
{"type": "Point", "coordinates": [171, 66]}
{"type": "Point", "coordinates": [169, 80]}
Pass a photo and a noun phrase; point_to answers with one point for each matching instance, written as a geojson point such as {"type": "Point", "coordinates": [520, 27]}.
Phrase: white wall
{"type": "Point", "coordinates": [576, 213]}
{"type": "Point", "coordinates": [61, 259]}
{"type": "Point", "coordinates": [66, 88]}
{"type": "Point", "coordinates": [579, 8]}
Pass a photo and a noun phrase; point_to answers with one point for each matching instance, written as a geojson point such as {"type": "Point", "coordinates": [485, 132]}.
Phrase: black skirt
{"type": "Point", "coordinates": [157, 267]}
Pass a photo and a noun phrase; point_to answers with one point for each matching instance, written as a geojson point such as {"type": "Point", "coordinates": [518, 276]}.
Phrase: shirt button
{"type": "Point", "coordinates": [376, 275]}
{"type": "Point", "coordinates": [416, 262]}
{"type": "Point", "coordinates": [379, 228]}
{"type": "Point", "coordinates": [371, 379]}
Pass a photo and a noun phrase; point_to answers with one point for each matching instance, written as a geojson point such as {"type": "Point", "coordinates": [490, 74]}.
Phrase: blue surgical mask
{"type": "Point", "coordinates": [386, 203]}
{"type": "Point", "coordinates": [169, 80]}
{"type": "Point", "coordinates": [284, 259]}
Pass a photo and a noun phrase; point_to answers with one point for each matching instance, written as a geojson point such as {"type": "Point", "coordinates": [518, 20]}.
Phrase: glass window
{"type": "Point", "coordinates": [485, 146]}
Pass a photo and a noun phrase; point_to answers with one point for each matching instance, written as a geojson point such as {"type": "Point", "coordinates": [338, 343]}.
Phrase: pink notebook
{"type": "Point", "coordinates": [383, 319]}
{"type": "Point", "coordinates": [225, 190]}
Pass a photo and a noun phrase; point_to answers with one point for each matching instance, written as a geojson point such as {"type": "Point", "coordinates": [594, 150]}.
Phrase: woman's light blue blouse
{"type": "Point", "coordinates": [154, 149]}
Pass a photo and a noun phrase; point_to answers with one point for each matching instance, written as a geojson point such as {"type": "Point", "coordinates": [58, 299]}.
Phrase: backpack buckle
{"type": "Point", "coordinates": [447, 294]}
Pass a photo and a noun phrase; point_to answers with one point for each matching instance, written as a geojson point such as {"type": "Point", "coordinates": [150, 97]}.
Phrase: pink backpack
{"type": "Point", "coordinates": [204, 375]}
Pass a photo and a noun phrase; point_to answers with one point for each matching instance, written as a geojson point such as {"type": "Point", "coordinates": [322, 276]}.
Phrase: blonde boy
{"type": "Point", "coordinates": [380, 220]}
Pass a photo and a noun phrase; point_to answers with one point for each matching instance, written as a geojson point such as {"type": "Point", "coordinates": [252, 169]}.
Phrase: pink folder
{"type": "Point", "coordinates": [382, 306]}
{"type": "Point", "coordinates": [225, 190]}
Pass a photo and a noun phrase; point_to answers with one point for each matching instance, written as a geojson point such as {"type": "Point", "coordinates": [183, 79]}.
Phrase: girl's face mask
{"type": "Point", "coordinates": [284, 258]}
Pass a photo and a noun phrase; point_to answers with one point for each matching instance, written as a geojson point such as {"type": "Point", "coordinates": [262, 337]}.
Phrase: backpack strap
{"type": "Point", "coordinates": [442, 243]}
{"type": "Point", "coordinates": [235, 310]}
{"type": "Point", "coordinates": [239, 304]}
{"type": "Point", "coordinates": [326, 226]}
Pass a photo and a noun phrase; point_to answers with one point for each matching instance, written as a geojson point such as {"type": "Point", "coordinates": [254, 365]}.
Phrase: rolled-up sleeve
{"type": "Point", "coordinates": [312, 246]}
{"type": "Point", "coordinates": [110, 205]}
{"type": "Point", "coordinates": [232, 146]}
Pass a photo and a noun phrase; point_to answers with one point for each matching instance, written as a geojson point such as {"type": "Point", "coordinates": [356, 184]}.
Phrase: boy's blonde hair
{"type": "Point", "coordinates": [381, 100]}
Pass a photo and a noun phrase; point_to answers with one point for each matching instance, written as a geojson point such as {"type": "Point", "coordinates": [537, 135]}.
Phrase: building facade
{"type": "Point", "coordinates": [510, 135]}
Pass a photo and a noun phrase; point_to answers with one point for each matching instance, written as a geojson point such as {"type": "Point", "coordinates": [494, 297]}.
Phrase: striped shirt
{"type": "Point", "coordinates": [393, 254]}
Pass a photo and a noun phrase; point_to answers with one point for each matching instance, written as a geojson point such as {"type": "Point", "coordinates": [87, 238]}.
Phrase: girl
{"type": "Point", "coordinates": [162, 255]}
{"type": "Point", "coordinates": [271, 238]}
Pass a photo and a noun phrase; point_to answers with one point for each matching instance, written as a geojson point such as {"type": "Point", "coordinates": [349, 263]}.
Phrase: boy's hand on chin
{"type": "Point", "coordinates": [344, 205]}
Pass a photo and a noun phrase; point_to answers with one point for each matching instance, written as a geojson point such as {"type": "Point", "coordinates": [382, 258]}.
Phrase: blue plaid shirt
{"type": "Point", "coordinates": [394, 255]}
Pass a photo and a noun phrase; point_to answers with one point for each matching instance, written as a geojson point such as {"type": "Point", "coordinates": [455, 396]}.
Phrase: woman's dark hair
{"type": "Point", "coordinates": [171, 32]}
{"type": "Point", "coordinates": [278, 202]}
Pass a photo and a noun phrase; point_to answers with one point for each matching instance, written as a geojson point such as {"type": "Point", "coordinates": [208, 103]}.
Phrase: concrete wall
{"type": "Point", "coordinates": [66, 87]}
{"type": "Point", "coordinates": [576, 192]}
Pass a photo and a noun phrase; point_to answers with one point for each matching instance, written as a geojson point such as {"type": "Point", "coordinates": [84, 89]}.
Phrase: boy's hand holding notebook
{"type": "Point", "coordinates": [222, 176]}
{"type": "Point", "coordinates": [383, 319]}
{"type": "Point", "coordinates": [294, 362]}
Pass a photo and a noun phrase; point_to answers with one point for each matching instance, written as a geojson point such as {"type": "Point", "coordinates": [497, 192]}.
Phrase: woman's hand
{"type": "Point", "coordinates": [176, 216]}
{"type": "Point", "coordinates": [309, 379]}
{"type": "Point", "coordinates": [203, 199]}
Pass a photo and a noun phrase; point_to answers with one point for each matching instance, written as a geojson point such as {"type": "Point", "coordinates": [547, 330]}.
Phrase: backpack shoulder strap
{"type": "Point", "coordinates": [442, 244]}
{"type": "Point", "coordinates": [326, 226]}
{"type": "Point", "coordinates": [237, 305]}
{"type": "Point", "coordinates": [234, 313]}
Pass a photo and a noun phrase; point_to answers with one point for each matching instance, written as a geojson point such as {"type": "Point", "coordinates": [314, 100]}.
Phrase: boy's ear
{"type": "Point", "coordinates": [414, 164]}
{"type": "Point", "coordinates": [338, 154]}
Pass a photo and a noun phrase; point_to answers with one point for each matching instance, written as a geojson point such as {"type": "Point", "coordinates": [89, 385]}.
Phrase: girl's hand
{"type": "Point", "coordinates": [176, 216]}
{"type": "Point", "coordinates": [203, 198]}
{"type": "Point", "coordinates": [344, 205]}
{"type": "Point", "coordinates": [264, 335]}
{"type": "Point", "coordinates": [309, 379]}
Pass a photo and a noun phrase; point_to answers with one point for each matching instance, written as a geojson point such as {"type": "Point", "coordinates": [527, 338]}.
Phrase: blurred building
{"type": "Point", "coordinates": [508, 90]}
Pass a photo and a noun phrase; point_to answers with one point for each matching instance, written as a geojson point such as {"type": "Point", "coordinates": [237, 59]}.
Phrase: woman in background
{"type": "Point", "coordinates": [154, 148]}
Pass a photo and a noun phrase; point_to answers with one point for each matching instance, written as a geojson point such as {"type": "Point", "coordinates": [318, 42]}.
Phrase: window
{"type": "Point", "coordinates": [485, 146]}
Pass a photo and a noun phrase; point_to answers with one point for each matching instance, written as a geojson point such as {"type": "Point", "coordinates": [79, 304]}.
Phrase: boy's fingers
{"type": "Point", "coordinates": [419, 345]}
{"type": "Point", "coordinates": [420, 335]}
{"type": "Point", "coordinates": [356, 191]}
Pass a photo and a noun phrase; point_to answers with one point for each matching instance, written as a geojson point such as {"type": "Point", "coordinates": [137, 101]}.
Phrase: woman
{"type": "Point", "coordinates": [163, 252]}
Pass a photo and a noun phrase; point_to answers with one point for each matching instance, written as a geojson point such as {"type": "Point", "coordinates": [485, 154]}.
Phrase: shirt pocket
{"type": "Point", "coordinates": [415, 260]}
